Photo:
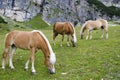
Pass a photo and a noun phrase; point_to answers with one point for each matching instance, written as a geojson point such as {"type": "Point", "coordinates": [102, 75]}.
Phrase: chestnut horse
{"type": "Point", "coordinates": [64, 28]}
{"type": "Point", "coordinates": [29, 40]}
{"type": "Point", "coordinates": [94, 25]}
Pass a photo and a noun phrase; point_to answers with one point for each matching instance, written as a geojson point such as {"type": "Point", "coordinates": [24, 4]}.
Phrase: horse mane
{"type": "Point", "coordinates": [75, 39]}
{"type": "Point", "coordinates": [52, 55]}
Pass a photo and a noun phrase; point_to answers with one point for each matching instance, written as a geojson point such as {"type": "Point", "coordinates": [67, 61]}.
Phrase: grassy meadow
{"type": "Point", "coordinates": [96, 59]}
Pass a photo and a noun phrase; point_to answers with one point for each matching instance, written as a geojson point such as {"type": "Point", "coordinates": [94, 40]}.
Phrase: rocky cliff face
{"type": "Point", "coordinates": [20, 10]}
{"type": "Point", "coordinates": [54, 10]}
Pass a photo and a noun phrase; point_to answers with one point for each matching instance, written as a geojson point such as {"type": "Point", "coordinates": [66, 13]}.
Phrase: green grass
{"type": "Point", "coordinates": [37, 23]}
{"type": "Point", "coordinates": [94, 59]}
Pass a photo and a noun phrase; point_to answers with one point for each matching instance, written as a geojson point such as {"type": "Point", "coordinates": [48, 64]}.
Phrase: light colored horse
{"type": "Point", "coordinates": [64, 28]}
{"type": "Point", "coordinates": [94, 25]}
{"type": "Point", "coordinates": [29, 40]}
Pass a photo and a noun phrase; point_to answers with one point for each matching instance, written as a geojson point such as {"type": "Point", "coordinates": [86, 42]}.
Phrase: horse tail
{"type": "Point", "coordinates": [82, 30]}
{"type": "Point", "coordinates": [6, 49]}
{"type": "Point", "coordinates": [54, 27]}
{"type": "Point", "coordinates": [74, 34]}
{"type": "Point", "coordinates": [52, 55]}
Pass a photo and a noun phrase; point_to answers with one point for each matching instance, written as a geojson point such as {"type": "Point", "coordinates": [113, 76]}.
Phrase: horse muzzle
{"type": "Point", "coordinates": [52, 71]}
{"type": "Point", "coordinates": [74, 45]}
{"type": "Point", "coordinates": [81, 36]}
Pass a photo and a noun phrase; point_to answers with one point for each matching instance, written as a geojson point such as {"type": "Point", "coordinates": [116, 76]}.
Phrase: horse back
{"type": "Point", "coordinates": [63, 27]}
{"type": "Point", "coordinates": [22, 39]}
{"type": "Point", "coordinates": [93, 25]}
{"type": "Point", "coordinates": [59, 27]}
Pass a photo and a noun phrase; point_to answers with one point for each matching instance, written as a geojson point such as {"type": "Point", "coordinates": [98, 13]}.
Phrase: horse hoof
{"type": "Point", "coordinates": [3, 68]}
{"type": "Point", "coordinates": [12, 68]}
{"type": "Point", "coordinates": [33, 73]}
{"type": "Point", "coordinates": [52, 72]}
{"type": "Point", "coordinates": [25, 69]}
{"type": "Point", "coordinates": [68, 45]}
{"type": "Point", "coordinates": [74, 46]}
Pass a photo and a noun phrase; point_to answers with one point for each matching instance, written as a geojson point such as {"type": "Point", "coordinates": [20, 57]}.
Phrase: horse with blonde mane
{"type": "Point", "coordinates": [64, 28]}
{"type": "Point", "coordinates": [29, 40]}
{"type": "Point", "coordinates": [94, 25]}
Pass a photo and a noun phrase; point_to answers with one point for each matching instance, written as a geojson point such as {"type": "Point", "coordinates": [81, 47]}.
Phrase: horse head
{"type": "Point", "coordinates": [81, 35]}
{"type": "Point", "coordinates": [51, 64]}
{"type": "Point", "coordinates": [74, 40]}
{"type": "Point", "coordinates": [50, 57]}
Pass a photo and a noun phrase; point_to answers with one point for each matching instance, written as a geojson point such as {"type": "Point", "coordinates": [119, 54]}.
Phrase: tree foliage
{"type": "Point", "coordinates": [111, 11]}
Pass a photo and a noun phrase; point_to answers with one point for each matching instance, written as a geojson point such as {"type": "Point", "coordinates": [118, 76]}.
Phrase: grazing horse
{"type": "Point", "coordinates": [94, 25]}
{"type": "Point", "coordinates": [64, 28]}
{"type": "Point", "coordinates": [29, 40]}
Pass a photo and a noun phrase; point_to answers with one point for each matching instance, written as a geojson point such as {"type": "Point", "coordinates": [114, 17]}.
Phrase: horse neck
{"type": "Point", "coordinates": [83, 28]}
{"type": "Point", "coordinates": [45, 49]}
{"type": "Point", "coordinates": [48, 52]}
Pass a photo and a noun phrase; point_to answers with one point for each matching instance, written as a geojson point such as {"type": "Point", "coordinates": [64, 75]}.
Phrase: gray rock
{"type": "Point", "coordinates": [55, 10]}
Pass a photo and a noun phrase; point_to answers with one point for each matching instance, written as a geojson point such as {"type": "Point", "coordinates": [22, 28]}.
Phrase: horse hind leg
{"type": "Point", "coordinates": [90, 34]}
{"type": "Point", "coordinates": [11, 56]}
{"type": "Point", "coordinates": [68, 44]}
{"type": "Point", "coordinates": [5, 56]}
{"type": "Point", "coordinates": [54, 36]}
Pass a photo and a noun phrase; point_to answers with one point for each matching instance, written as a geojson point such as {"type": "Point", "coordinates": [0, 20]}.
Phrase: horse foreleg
{"type": "Point", "coordinates": [90, 34]}
{"type": "Point", "coordinates": [87, 35]}
{"type": "Point", "coordinates": [11, 56]}
{"type": "Point", "coordinates": [62, 40]}
{"type": "Point", "coordinates": [27, 63]}
{"type": "Point", "coordinates": [106, 33]}
{"type": "Point", "coordinates": [68, 41]}
{"type": "Point", "coordinates": [32, 52]}
{"type": "Point", "coordinates": [102, 33]}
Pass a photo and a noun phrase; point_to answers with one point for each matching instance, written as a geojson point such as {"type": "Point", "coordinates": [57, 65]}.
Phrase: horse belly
{"type": "Point", "coordinates": [23, 43]}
